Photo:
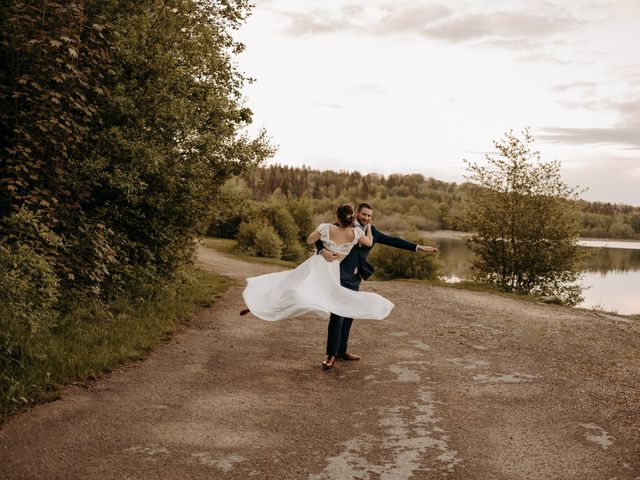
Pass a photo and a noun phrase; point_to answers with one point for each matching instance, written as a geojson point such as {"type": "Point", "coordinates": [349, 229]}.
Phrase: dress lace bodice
{"type": "Point", "coordinates": [342, 249]}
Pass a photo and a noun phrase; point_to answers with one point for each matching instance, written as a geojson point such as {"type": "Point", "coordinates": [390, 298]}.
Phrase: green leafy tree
{"type": "Point", "coordinates": [233, 204]}
{"type": "Point", "coordinates": [525, 228]}
{"type": "Point", "coordinates": [119, 122]}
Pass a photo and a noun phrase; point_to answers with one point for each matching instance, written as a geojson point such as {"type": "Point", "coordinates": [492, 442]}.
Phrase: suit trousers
{"type": "Point", "coordinates": [339, 327]}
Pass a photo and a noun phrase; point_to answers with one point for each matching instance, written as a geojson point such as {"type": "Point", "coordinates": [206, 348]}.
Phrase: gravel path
{"type": "Point", "coordinates": [453, 385]}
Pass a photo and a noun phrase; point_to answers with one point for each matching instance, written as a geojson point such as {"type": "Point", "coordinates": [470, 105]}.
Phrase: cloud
{"type": "Point", "coordinates": [543, 57]}
{"type": "Point", "coordinates": [367, 88]}
{"type": "Point", "coordinates": [500, 25]}
{"type": "Point", "coordinates": [357, 18]}
{"type": "Point", "coordinates": [521, 30]}
{"type": "Point", "coordinates": [627, 136]}
{"type": "Point", "coordinates": [563, 87]}
{"type": "Point", "coordinates": [625, 133]}
{"type": "Point", "coordinates": [405, 19]}
{"type": "Point", "coordinates": [327, 105]}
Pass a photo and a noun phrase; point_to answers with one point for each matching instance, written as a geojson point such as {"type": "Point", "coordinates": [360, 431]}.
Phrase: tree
{"type": "Point", "coordinates": [119, 122]}
{"type": "Point", "coordinates": [524, 223]}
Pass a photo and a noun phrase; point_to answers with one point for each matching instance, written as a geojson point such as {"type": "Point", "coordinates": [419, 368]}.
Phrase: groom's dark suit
{"type": "Point", "coordinates": [353, 268]}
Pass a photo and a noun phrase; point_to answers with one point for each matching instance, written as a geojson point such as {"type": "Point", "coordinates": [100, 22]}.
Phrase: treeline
{"type": "Point", "coordinates": [403, 202]}
{"type": "Point", "coordinates": [119, 120]}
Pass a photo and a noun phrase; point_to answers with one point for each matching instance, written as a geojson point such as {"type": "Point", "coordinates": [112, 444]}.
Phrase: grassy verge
{"type": "Point", "coordinates": [229, 247]}
{"type": "Point", "coordinates": [92, 339]}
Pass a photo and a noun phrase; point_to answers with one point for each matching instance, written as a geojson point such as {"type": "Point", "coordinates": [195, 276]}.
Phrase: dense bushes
{"type": "Point", "coordinates": [270, 230]}
{"type": "Point", "coordinates": [259, 238]}
{"type": "Point", "coordinates": [283, 223]}
{"type": "Point", "coordinates": [393, 263]}
{"type": "Point", "coordinates": [119, 121]}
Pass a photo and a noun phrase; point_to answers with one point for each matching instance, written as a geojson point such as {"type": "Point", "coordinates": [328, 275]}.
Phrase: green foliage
{"type": "Point", "coordinates": [91, 337]}
{"type": "Point", "coordinates": [393, 263]}
{"type": "Point", "coordinates": [119, 122]}
{"type": "Point", "coordinates": [258, 237]}
{"type": "Point", "coordinates": [525, 229]}
{"type": "Point", "coordinates": [403, 202]}
{"type": "Point", "coordinates": [28, 294]}
{"type": "Point", "coordinates": [289, 217]}
{"type": "Point", "coordinates": [301, 209]}
{"type": "Point", "coordinates": [281, 219]}
{"type": "Point", "coordinates": [233, 204]}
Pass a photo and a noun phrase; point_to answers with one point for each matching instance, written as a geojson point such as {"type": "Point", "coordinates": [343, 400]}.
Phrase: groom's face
{"type": "Point", "coordinates": [364, 216]}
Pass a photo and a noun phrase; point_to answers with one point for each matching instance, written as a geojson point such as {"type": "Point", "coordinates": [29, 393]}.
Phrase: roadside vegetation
{"type": "Point", "coordinates": [119, 121]}
{"type": "Point", "coordinates": [90, 338]}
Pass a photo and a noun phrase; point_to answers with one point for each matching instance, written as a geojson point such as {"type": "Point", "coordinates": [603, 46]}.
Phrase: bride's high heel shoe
{"type": "Point", "coordinates": [329, 362]}
{"type": "Point", "coordinates": [244, 311]}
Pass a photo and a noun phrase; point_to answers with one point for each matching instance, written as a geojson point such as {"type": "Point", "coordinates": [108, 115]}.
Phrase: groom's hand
{"type": "Point", "coordinates": [328, 255]}
{"type": "Point", "coordinates": [427, 249]}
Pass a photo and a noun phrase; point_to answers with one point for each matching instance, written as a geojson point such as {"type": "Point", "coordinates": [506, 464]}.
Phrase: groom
{"type": "Point", "coordinates": [353, 268]}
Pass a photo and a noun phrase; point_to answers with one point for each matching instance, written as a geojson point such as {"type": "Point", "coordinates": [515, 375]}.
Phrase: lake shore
{"type": "Point", "coordinates": [585, 241]}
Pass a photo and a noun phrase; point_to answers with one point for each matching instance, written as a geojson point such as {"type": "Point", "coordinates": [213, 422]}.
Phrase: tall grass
{"type": "Point", "coordinates": [90, 340]}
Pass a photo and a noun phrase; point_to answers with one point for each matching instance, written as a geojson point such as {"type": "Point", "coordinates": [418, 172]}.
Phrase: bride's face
{"type": "Point", "coordinates": [364, 216]}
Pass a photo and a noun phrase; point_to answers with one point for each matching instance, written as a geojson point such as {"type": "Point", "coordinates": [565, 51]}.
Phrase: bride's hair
{"type": "Point", "coordinates": [346, 214]}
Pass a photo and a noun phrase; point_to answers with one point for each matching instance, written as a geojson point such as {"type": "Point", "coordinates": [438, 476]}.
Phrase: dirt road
{"type": "Point", "coordinates": [453, 385]}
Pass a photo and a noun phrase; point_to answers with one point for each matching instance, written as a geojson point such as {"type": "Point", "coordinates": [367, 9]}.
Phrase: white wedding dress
{"type": "Point", "coordinates": [313, 287]}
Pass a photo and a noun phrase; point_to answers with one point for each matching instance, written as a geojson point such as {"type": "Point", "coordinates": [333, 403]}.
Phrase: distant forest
{"type": "Point", "coordinates": [405, 202]}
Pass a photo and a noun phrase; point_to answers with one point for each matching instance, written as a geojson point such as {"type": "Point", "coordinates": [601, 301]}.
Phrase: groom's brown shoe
{"type": "Point", "coordinates": [349, 356]}
{"type": "Point", "coordinates": [329, 362]}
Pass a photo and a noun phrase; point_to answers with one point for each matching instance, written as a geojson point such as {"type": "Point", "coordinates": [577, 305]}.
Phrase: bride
{"type": "Point", "coordinates": [314, 285]}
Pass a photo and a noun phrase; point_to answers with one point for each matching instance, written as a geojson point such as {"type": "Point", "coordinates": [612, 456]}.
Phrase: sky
{"type": "Point", "coordinates": [416, 86]}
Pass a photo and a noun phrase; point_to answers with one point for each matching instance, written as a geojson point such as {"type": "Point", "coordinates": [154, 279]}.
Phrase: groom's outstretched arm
{"type": "Point", "coordinates": [397, 242]}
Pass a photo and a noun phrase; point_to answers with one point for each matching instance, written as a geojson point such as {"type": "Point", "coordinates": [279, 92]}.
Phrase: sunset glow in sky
{"type": "Point", "coordinates": [416, 86]}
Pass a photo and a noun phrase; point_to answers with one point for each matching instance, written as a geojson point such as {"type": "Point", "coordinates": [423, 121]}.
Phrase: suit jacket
{"type": "Point", "coordinates": [356, 261]}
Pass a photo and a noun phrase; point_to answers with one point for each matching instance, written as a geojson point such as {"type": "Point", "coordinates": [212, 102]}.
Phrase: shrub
{"type": "Point", "coordinates": [257, 237]}
{"type": "Point", "coordinates": [284, 224]}
{"type": "Point", "coordinates": [390, 263]}
{"type": "Point", "coordinates": [29, 291]}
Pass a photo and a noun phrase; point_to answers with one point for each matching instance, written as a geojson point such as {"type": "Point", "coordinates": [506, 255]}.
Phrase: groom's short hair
{"type": "Point", "coordinates": [364, 205]}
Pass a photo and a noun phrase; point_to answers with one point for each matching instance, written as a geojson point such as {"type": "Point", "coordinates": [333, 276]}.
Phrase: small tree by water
{"type": "Point", "coordinates": [524, 226]}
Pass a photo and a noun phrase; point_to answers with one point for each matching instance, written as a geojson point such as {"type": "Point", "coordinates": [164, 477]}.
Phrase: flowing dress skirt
{"type": "Point", "coordinates": [311, 287]}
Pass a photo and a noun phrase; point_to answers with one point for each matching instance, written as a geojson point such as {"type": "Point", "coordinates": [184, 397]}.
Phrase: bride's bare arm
{"type": "Point", "coordinates": [367, 239]}
{"type": "Point", "coordinates": [313, 237]}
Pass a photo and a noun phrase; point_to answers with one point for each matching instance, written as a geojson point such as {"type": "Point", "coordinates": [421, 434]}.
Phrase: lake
{"type": "Point", "coordinates": [610, 273]}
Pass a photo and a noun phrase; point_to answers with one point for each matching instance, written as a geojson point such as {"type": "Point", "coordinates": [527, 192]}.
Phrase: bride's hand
{"type": "Point", "coordinates": [329, 256]}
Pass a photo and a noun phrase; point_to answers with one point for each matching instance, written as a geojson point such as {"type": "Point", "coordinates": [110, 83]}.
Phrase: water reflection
{"type": "Point", "coordinates": [611, 275]}
{"type": "Point", "coordinates": [613, 291]}
{"type": "Point", "coordinates": [605, 260]}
